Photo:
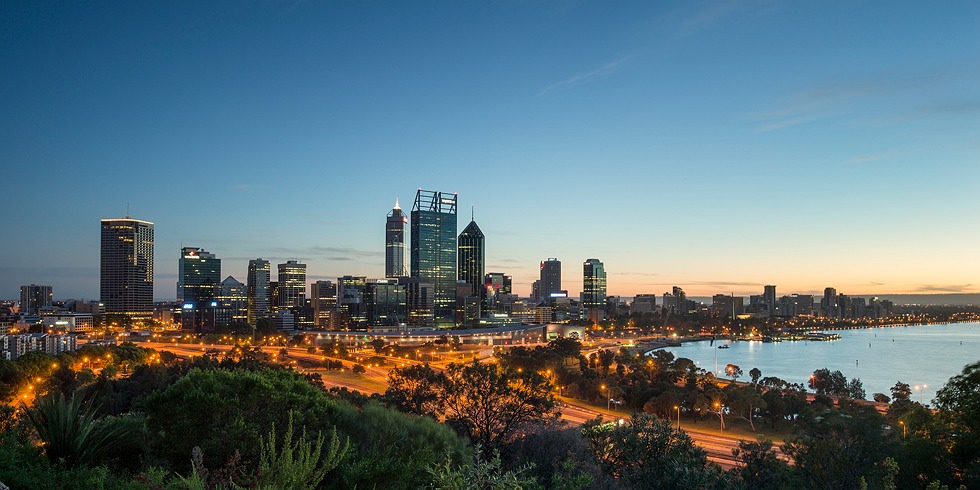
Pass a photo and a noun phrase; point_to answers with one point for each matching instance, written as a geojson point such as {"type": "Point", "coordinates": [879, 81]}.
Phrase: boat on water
{"type": "Point", "coordinates": [723, 346]}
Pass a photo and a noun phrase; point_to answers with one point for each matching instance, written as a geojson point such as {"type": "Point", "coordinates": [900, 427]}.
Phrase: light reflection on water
{"type": "Point", "coordinates": [918, 355]}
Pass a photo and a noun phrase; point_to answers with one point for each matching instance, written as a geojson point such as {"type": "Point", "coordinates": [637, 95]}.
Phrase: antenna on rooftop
{"type": "Point", "coordinates": [127, 210]}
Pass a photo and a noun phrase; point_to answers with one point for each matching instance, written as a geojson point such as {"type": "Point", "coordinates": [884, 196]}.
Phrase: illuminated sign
{"type": "Point", "coordinates": [188, 306]}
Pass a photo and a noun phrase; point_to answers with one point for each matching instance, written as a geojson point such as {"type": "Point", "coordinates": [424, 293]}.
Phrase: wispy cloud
{"type": "Point", "coordinates": [584, 77]}
{"type": "Point", "coordinates": [868, 158]}
{"type": "Point", "coordinates": [945, 288]}
{"type": "Point", "coordinates": [841, 97]}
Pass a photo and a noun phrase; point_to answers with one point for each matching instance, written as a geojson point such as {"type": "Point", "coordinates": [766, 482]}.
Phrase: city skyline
{"type": "Point", "coordinates": [720, 147]}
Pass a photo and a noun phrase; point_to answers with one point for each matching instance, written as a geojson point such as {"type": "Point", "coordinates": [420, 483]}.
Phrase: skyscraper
{"type": "Point", "coordinates": [292, 284]}
{"type": "Point", "coordinates": [350, 300]}
{"type": "Point", "coordinates": [33, 298]}
{"type": "Point", "coordinates": [127, 267]}
{"type": "Point", "coordinates": [395, 242]}
{"type": "Point", "coordinates": [550, 279]}
{"type": "Point", "coordinates": [594, 290]}
{"type": "Point", "coordinates": [232, 302]}
{"type": "Point", "coordinates": [198, 288]}
{"type": "Point", "coordinates": [769, 297]}
{"type": "Point", "coordinates": [829, 305]}
{"type": "Point", "coordinates": [258, 290]}
{"type": "Point", "coordinates": [324, 297]}
{"type": "Point", "coordinates": [434, 250]}
{"type": "Point", "coordinates": [470, 266]}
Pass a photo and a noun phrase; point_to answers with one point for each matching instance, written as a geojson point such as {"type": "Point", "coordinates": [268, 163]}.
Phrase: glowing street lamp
{"type": "Point", "coordinates": [678, 408]}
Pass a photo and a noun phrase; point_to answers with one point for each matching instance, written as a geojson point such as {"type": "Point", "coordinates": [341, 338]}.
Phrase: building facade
{"type": "Point", "coordinates": [126, 272]}
{"type": "Point", "coordinates": [434, 250]}
{"type": "Point", "coordinates": [292, 285]}
{"type": "Point", "coordinates": [258, 290]}
{"type": "Point", "coordinates": [395, 242]}
{"type": "Point", "coordinates": [34, 297]}
{"type": "Point", "coordinates": [550, 279]}
{"type": "Point", "coordinates": [198, 288]}
{"type": "Point", "coordinates": [323, 295]}
{"type": "Point", "coordinates": [594, 290]}
{"type": "Point", "coordinates": [232, 302]}
{"type": "Point", "coordinates": [470, 264]}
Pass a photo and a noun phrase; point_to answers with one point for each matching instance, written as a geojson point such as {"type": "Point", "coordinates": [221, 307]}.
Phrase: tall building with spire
{"type": "Point", "coordinates": [395, 242]}
{"type": "Point", "coordinates": [470, 273]}
{"type": "Point", "coordinates": [127, 267]}
{"type": "Point", "coordinates": [594, 290]}
{"type": "Point", "coordinates": [434, 250]}
{"type": "Point", "coordinates": [259, 290]}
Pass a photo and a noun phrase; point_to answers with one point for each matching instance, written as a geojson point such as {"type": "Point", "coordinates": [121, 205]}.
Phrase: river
{"type": "Point", "coordinates": [923, 355]}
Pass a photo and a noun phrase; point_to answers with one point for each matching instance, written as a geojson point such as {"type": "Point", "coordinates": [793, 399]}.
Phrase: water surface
{"type": "Point", "coordinates": [923, 355]}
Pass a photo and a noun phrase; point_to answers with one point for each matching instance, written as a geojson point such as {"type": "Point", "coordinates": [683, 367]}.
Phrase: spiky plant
{"type": "Point", "coordinates": [71, 435]}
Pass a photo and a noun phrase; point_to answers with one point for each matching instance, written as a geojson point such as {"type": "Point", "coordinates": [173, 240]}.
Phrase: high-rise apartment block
{"type": "Point", "coordinates": [34, 297]}
{"type": "Point", "coordinates": [126, 277]}
{"type": "Point", "coordinates": [434, 250]}
{"type": "Point", "coordinates": [395, 242]}
{"type": "Point", "coordinates": [259, 293]}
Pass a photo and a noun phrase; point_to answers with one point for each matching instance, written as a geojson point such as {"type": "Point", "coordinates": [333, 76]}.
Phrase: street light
{"type": "Point", "coordinates": [919, 389]}
{"type": "Point", "coordinates": [678, 408]}
{"type": "Point", "coordinates": [721, 416]}
{"type": "Point", "coordinates": [904, 429]}
{"type": "Point", "coordinates": [607, 395]}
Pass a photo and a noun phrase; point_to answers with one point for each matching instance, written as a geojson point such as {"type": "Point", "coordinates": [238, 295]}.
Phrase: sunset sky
{"type": "Point", "coordinates": [718, 146]}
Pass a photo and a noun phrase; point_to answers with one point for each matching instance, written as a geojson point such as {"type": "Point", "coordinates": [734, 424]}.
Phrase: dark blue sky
{"type": "Point", "coordinates": [719, 146]}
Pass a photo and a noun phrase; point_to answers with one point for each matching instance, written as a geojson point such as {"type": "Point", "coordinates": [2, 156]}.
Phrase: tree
{"type": "Point", "coordinates": [647, 452]}
{"type": "Point", "coordinates": [755, 374]}
{"type": "Point", "coordinates": [759, 467]}
{"type": "Point", "coordinates": [880, 398]}
{"type": "Point", "coordinates": [378, 344]}
{"type": "Point", "coordinates": [480, 474]}
{"type": "Point", "coordinates": [415, 389]}
{"type": "Point", "coordinates": [489, 405]}
{"type": "Point", "coordinates": [959, 403]}
{"type": "Point", "coordinates": [733, 371]}
{"type": "Point", "coordinates": [743, 401]}
{"type": "Point", "coordinates": [837, 447]}
{"type": "Point", "coordinates": [825, 382]}
{"type": "Point", "coordinates": [855, 389]}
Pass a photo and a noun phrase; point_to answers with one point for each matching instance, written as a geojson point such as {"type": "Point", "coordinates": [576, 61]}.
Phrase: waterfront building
{"type": "Point", "coordinates": [126, 267]}
{"type": "Point", "coordinates": [434, 250]}
{"type": "Point", "coordinates": [323, 295]}
{"type": "Point", "coordinates": [550, 273]}
{"type": "Point", "coordinates": [395, 242]}
{"type": "Point", "coordinates": [259, 294]}
{"type": "Point", "coordinates": [292, 285]}
{"type": "Point", "coordinates": [34, 297]}
{"type": "Point", "coordinates": [594, 290]}
{"type": "Point", "coordinates": [470, 266]}
{"type": "Point", "coordinates": [232, 302]}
